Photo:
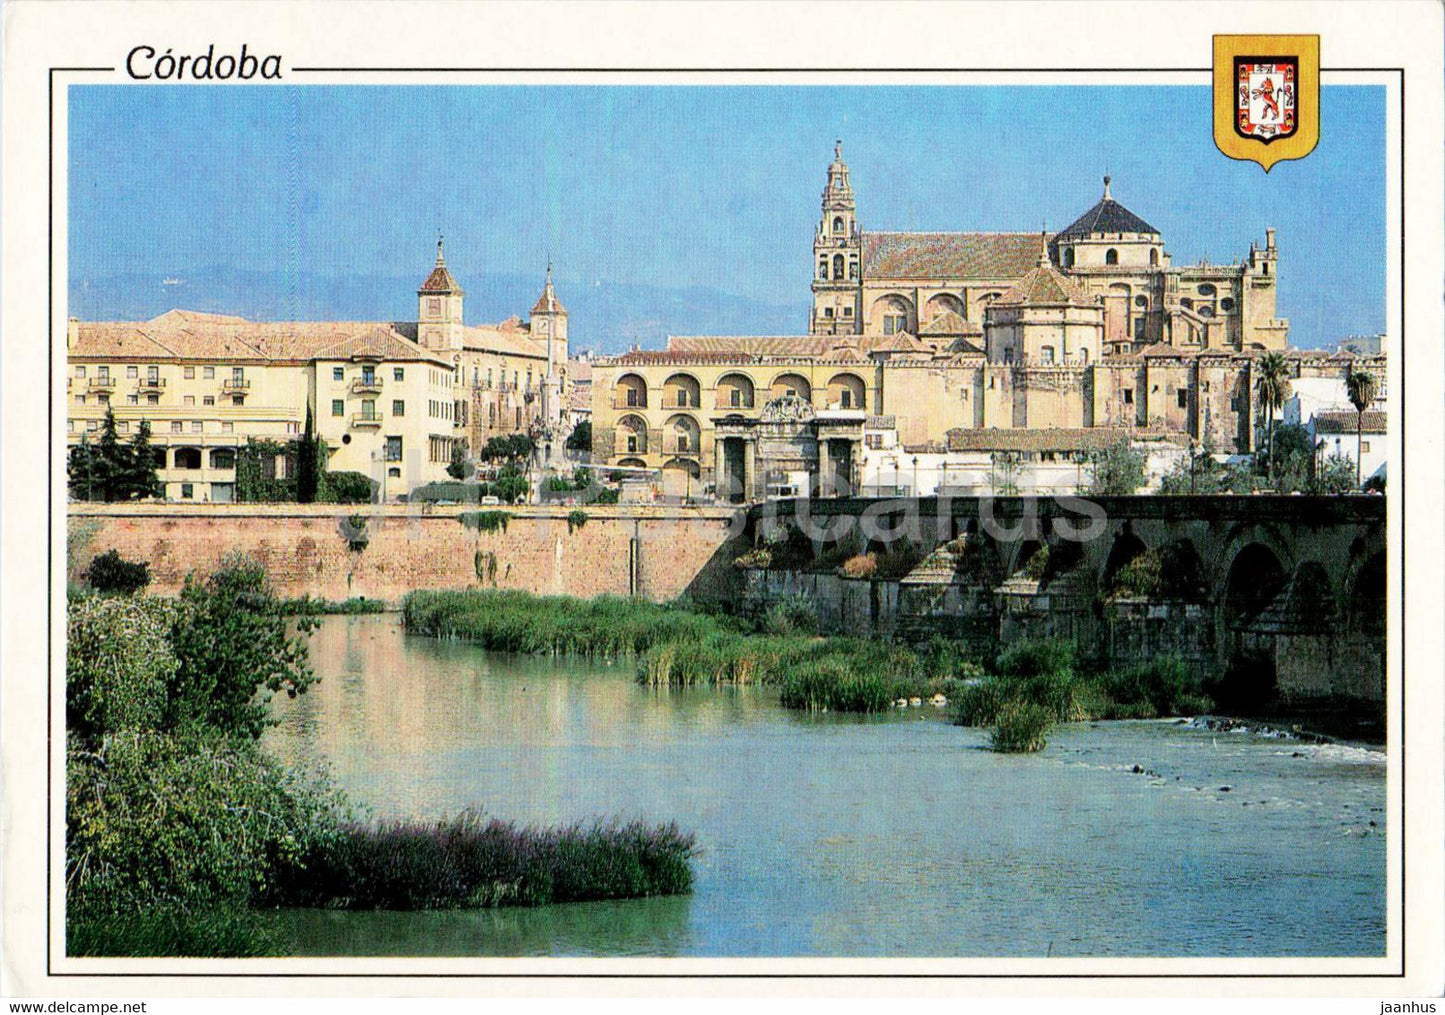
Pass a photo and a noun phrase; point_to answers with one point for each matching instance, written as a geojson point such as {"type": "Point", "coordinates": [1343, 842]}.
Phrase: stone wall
{"type": "Point", "coordinates": [657, 553]}
{"type": "Point", "coordinates": [860, 608]}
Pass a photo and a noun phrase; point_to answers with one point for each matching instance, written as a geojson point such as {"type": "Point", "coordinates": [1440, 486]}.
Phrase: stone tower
{"type": "Point", "coordinates": [549, 330]}
{"type": "Point", "coordinates": [837, 257]}
{"type": "Point", "coordinates": [439, 307]}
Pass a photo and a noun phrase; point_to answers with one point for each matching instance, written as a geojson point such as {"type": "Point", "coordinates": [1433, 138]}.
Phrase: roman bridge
{"type": "Point", "coordinates": [1288, 591]}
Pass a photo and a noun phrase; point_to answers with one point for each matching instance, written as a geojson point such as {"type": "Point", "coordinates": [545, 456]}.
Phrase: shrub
{"type": "Point", "coordinates": [836, 685]}
{"type": "Point", "coordinates": [231, 641]}
{"type": "Point", "coordinates": [575, 520]}
{"type": "Point", "coordinates": [979, 704]}
{"type": "Point", "coordinates": [350, 488]}
{"type": "Point", "coordinates": [1021, 727]}
{"type": "Point", "coordinates": [1140, 578]}
{"type": "Point", "coordinates": [307, 606]}
{"type": "Point", "coordinates": [1037, 566]}
{"type": "Point", "coordinates": [119, 665]}
{"type": "Point", "coordinates": [111, 573]}
{"type": "Point", "coordinates": [475, 862]}
{"type": "Point", "coordinates": [1036, 658]}
{"type": "Point", "coordinates": [791, 615]}
{"type": "Point", "coordinates": [899, 559]}
{"type": "Point", "coordinates": [485, 521]}
{"type": "Point", "coordinates": [155, 820]}
{"type": "Point", "coordinates": [863, 565]}
{"type": "Point", "coordinates": [607, 496]}
{"type": "Point", "coordinates": [759, 558]}
{"type": "Point", "coordinates": [1159, 687]}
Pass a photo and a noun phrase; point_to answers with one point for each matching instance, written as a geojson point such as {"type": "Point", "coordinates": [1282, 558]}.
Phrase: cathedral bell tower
{"type": "Point", "coordinates": [837, 258]}
{"type": "Point", "coordinates": [549, 330]}
{"type": "Point", "coordinates": [439, 308]}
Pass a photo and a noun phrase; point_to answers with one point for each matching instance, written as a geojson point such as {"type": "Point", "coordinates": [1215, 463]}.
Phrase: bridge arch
{"type": "Point", "coordinates": [1127, 548]}
{"type": "Point", "coordinates": [1366, 593]}
{"type": "Point", "coordinates": [1256, 575]}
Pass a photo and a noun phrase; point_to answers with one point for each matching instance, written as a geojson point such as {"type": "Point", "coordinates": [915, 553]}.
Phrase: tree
{"type": "Point", "coordinates": [110, 573]}
{"type": "Point", "coordinates": [580, 439]}
{"type": "Point", "coordinates": [1272, 383]}
{"type": "Point", "coordinates": [80, 470]}
{"type": "Point", "coordinates": [231, 642]}
{"type": "Point", "coordinates": [460, 467]}
{"type": "Point", "coordinates": [140, 470]}
{"type": "Point", "coordinates": [1361, 387]}
{"type": "Point", "coordinates": [308, 468]}
{"type": "Point", "coordinates": [1335, 476]}
{"type": "Point", "coordinates": [1117, 469]}
{"type": "Point", "coordinates": [1291, 459]}
{"type": "Point", "coordinates": [514, 448]}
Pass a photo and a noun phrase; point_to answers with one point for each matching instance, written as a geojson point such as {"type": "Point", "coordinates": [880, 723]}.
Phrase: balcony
{"type": "Point", "coordinates": [151, 385]}
{"type": "Point", "coordinates": [104, 383]}
{"type": "Point", "coordinates": [622, 404]}
{"type": "Point", "coordinates": [366, 419]}
{"type": "Point", "coordinates": [679, 405]}
{"type": "Point", "coordinates": [671, 449]}
{"type": "Point", "coordinates": [727, 405]}
{"type": "Point", "coordinates": [366, 386]}
{"type": "Point", "coordinates": [235, 386]}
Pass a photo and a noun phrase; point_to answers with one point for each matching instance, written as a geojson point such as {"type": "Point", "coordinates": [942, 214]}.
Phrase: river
{"type": "Point", "coordinates": [830, 835]}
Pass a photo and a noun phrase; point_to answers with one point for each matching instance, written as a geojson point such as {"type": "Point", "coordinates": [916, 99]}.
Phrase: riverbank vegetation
{"type": "Point", "coordinates": [1027, 688]}
{"type": "Point", "coordinates": [180, 830]}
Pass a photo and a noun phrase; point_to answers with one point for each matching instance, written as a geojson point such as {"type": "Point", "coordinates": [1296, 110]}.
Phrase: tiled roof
{"type": "Point", "coordinates": [1345, 422]}
{"type": "Point", "coordinates": [440, 281]}
{"type": "Point", "coordinates": [899, 342]}
{"type": "Point", "coordinates": [501, 339]}
{"type": "Point", "coordinates": [1108, 216]}
{"type": "Point", "coordinates": [1044, 284]}
{"type": "Point", "coordinates": [949, 323]}
{"type": "Point", "coordinates": [948, 255]}
{"type": "Point", "coordinates": [752, 345]}
{"type": "Point", "coordinates": [183, 334]}
{"type": "Point", "coordinates": [1060, 439]}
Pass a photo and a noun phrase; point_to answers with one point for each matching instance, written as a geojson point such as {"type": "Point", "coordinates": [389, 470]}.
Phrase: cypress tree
{"type": "Point", "coordinates": [306, 464]}
{"type": "Point", "coordinates": [110, 460]}
{"type": "Point", "coordinates": [141, 480]}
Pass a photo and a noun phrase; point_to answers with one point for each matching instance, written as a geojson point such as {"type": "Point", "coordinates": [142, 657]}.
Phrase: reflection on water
{"type": "Point", "coordinates": [894, 835]}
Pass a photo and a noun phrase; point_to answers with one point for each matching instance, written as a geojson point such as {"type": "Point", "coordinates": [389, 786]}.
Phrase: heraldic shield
{"type": "Point", "coordinates": [1266, 96]}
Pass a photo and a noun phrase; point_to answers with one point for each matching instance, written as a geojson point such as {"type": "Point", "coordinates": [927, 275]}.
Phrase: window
{"type": "Point", "coordinates": [238, 374]}
{"type": "Point", "coordinates": [1226, 304]}
{"type": "Point", "coordinates": [394, 472]}
{"type": "Point", "coordinates": [188, 400]}
{"type": "Point", "coordinates": [838, 224]}
{"type": "Point", "coordinates": [132, 399]}
{"type": "Point", "coordinates": [338, 373]}
{"type": "Point", "coordinates": [1111, 256]}
{"type": "Point", "coordinates": [228, 428]}
{"type": "Point", "coordinates": [393, 449]}
{"type": "Point", "coordinates": [79, 399]}
{"type": "Point", "coordinates": [1206, 289]}
{"type": "Point", "coordinates": [153, 375]}
{"type": "Point", "coordinates": [175, 426]}
{"type": "Point", "coordinates": [1047, 354]}
{"type": "Point", "coordinates": [132, 372]}
{"type": "Point", "coordinates": [122, 427]}
{"type": "Point", "coordinates": [631, 442]}
{"type": "Point", "coordinates": [1128, 396]}
{"type": "Point", "coordinates": [1364, 447]}
{"type": "Point", "coordinates": [1183, 398]}
{"type": "Point", "coordinates": [847, 311]}
{"type": "Point", "coordinates": [827, 311]}
{"type": "Point", "coordinates": [92, 424]}
{"type": "Point", "coordinates": [102, 373]}
{"type": "Point", "coordinates": [189, 373]}
{"type": "Point", "coordinates": [1154, 258]}
{"type": "Point", "coordinates": [103, 398]}
{"type": "Point", "coordinates": [208, 399]}
{"type": "Point", "coordinates": [238, 400]}
{"type": "Point", "coordinates": [188, 491]}
{"type": "Point", "coordinates": [208, 373]}
{"type": "Point", "coordinates": [197, 426]}
{"type": "Point", "coordinates": [838, 267]}
{"type": "Point", "coordinates": [70, 425]}
{"type": "Point", "coordinates": [368, 374]}
{"type": "Point", "coordinates": [398, 407]}
{"type": "Point", "coordinates": [433, 307]}
{"type": "Point", "coordinates": [1068, 257]}
{"type": "Point", "coordinates": [80, 371]}
{"type": "Point", "coordinates": [399, 374]}
{"type": "Point", "coordinates": [338, 407]}
{"type": "Point", "coordinates": [822, 267]}
{"type": "Point", "coordinates": [153, 399]}
{"type": "Point", "coordinates": [1141, 301]}
{"type": "Point", "coordinates": [293, 427]}
{"type": "Point", "coordinates": [368, 408]}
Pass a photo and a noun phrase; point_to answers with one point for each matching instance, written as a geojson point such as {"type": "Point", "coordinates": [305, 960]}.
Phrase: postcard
{"type": "Point", "coordinates": [650, 498]}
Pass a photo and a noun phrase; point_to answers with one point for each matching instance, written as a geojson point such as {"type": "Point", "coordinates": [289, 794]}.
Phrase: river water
{"type": "Point", "coordinates": [896, 835]}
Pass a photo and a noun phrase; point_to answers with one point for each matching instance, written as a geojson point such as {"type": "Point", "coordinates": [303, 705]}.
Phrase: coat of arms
{"type": "Point", "coordinates": [1266, 96]}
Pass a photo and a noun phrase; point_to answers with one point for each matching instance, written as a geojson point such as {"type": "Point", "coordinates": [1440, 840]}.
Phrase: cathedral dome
{"type": "Point", "coordinates": [1108, 216]}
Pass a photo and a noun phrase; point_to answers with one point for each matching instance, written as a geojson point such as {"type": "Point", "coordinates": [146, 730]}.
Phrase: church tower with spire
{"type": "Point", "coordinates": [837, 258]}
{"type": "Point", "coordinates": [548, 328]}
{"type": "Point", "coordinates": [439, 307]}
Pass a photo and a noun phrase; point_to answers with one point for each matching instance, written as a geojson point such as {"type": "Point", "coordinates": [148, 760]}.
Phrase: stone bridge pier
{"type": "Point", "coordinates": [1271, 595]}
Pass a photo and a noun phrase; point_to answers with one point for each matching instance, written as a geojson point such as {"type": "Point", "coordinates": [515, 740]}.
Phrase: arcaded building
{"type": "Point", "coordinates": [1091, 326]}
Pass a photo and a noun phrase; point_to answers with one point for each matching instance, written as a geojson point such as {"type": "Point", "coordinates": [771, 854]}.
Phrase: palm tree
{"type": "Point", "coordinates": [1361, 387]}
{"type": "Point", "coordinates": [1272, 371]}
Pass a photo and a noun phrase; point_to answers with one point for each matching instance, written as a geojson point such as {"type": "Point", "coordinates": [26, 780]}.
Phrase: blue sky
{"type": "Point", "coordinates": [714, 188]}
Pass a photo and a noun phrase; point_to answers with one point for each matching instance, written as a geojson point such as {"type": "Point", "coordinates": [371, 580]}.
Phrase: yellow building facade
{"type": "Point", "coordinates": [392, 400]}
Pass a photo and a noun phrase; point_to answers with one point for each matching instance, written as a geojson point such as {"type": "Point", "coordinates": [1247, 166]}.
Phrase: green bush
{"type": "Point", "coordinates": [109, 572]}
{"type": "Point", "coordinates": [1160, 687]}
{"type": "Point", "coordinates": [232, 641]}
{"type": "Point", "coordinates": [836, 685]}
{"type": "Point", "coordinates": [575, 520]}
{"type": "Point", "coordinates": [350, 488]}
{"type": "Point", "coordinates": [1036, 658]}
{"type": "Point", "coordinates": [155, 820]}
{"type": "Point", "coordinates": [485, 521]}
{"type": "Point", "coordinates": [791, 615]}
{"type": "Point", "coordinates": [1021, 727]}
{"type": "Point", "coordinates": [119, 664]}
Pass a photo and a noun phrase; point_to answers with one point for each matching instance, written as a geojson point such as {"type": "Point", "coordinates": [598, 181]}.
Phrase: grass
{"type": "Point", "coordinates": [223, 932]}
{"type": "Point", "coordinates": [1036, 684]}
{"type": "Point", "coordinates": [308, 605]}
{"type": "Point", "coordinates": [676, 646]}
{"type": "Point", "coordinates": [473, 862]}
